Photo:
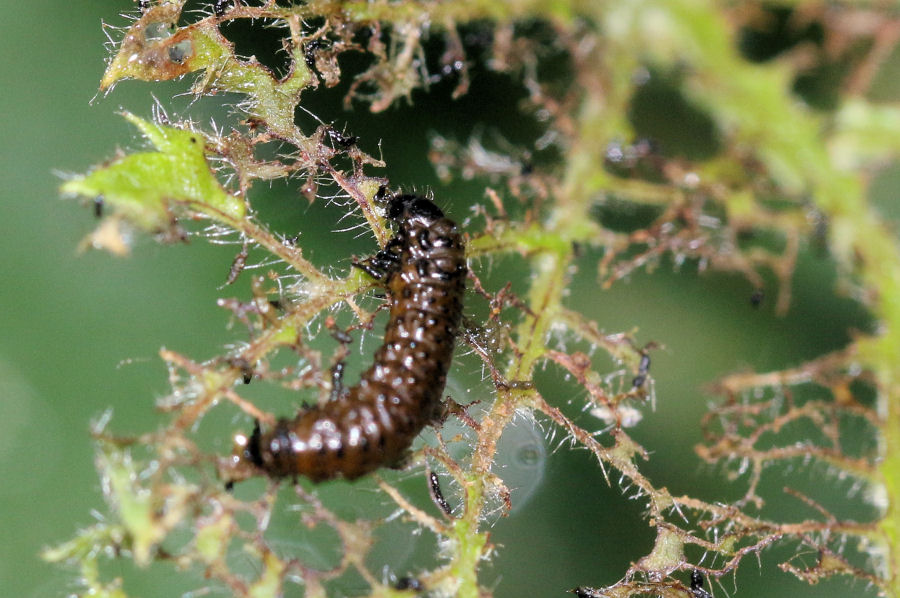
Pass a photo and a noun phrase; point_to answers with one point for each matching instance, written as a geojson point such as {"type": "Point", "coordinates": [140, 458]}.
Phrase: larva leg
{"type": "Point", "coordinates": [253, 450]}
{"type": "Point", "coordinates": [246, 457]}
{"type": "Point", "coordinates": [337, 369]}
{"type": "Point", "coordinates": [371, 270]}
{"type": "Point", "coordinates": [337, 381]}
{"type": "Point", "coordinates": [381, 265]}
{"type": "Point", "coordinates": [697, 585]}
{"type": "Point", "coordinates": [434, 489]}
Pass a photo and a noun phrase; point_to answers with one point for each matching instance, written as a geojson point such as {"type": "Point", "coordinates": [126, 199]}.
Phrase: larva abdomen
{"type": "Point", "coordinates": [374, 423]}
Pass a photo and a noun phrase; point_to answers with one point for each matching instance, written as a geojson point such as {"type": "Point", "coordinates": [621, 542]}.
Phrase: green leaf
{"type": "Point", "coordinates": [150, 189]}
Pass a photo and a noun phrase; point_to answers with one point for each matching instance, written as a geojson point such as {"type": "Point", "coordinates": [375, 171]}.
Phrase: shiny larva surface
{"type": "Point", "coordinates": [373, 424]}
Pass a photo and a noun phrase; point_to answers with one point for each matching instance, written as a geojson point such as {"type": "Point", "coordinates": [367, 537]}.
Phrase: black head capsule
{"type": "Point", "coordinates": [407, 207]}
{"type": "Point", "coordinates": [382, 195]}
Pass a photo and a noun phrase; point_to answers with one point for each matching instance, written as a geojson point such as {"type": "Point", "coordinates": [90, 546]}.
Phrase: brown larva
{"type": "Point", "coordinates": [373, 424]}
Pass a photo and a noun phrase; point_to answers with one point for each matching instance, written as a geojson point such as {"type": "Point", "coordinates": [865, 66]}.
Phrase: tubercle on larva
{"type": "Point", "coordinates": [373, 424]}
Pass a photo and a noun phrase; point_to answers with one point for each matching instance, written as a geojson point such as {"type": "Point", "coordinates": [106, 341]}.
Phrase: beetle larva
{"type": "Point", "coordinates": [373, 424]}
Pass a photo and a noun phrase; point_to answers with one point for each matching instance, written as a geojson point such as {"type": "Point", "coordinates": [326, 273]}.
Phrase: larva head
{"type": "Point", "coordinates": [244, 460]}
{"type": "Point", "coordinates": [408, 207]}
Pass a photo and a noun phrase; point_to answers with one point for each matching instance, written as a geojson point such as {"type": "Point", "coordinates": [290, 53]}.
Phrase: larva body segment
{"type": "Point", "coordinates": [374, 422]}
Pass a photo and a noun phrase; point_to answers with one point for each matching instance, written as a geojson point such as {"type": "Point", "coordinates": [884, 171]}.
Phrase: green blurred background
{"type": "Point", "coordinates": [79, 333]}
